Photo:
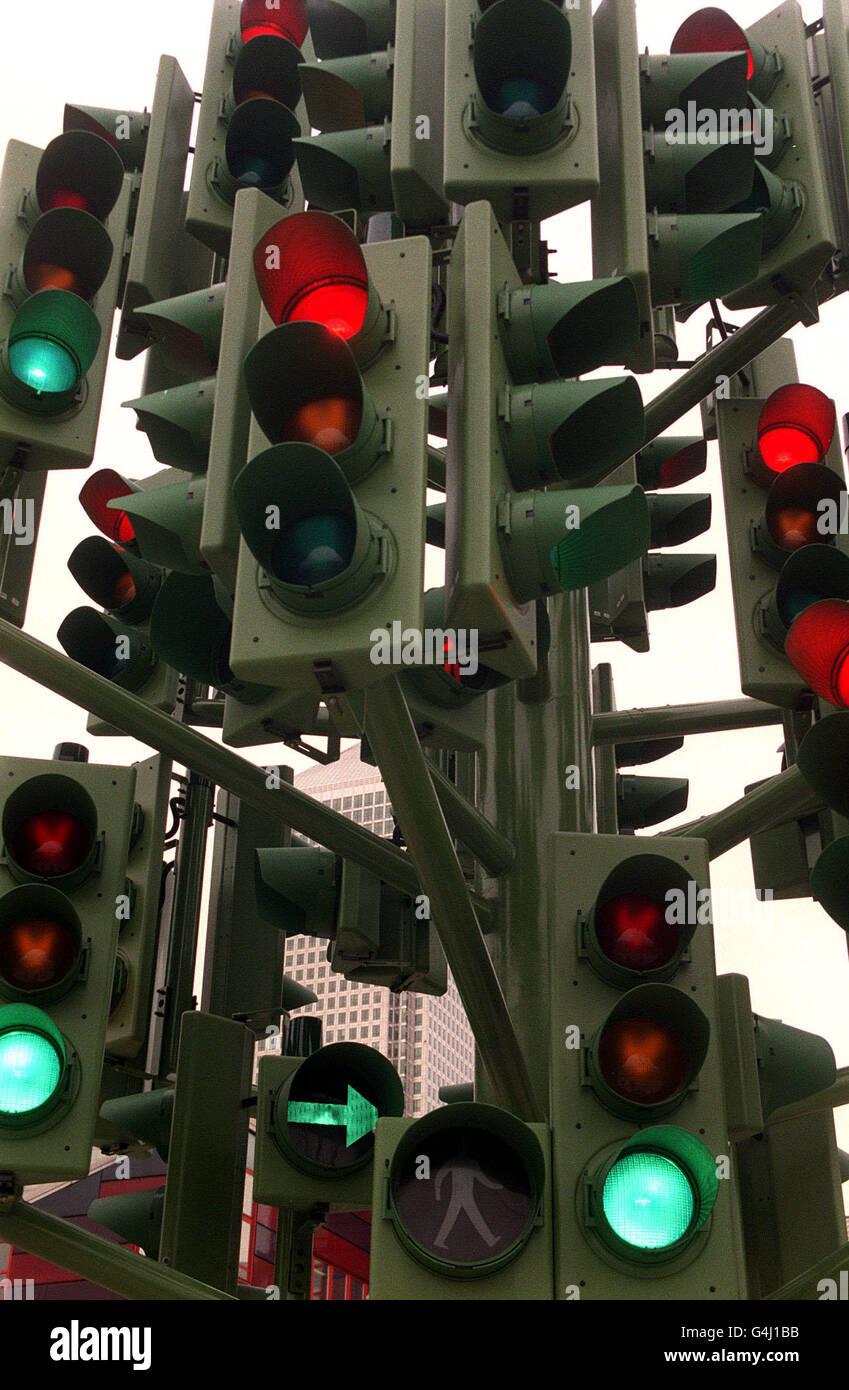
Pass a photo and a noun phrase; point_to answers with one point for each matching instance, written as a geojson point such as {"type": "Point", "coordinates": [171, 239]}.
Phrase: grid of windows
{"type": "Point", "coordinates": [426, 1038]}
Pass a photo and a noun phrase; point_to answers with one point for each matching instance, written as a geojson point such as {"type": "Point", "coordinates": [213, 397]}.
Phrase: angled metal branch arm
{"type": "Point", "coordinates": [493, 850]}
{"type": "Point", "coordinates": [393, 740]}
{"type": "Point", "coordinates": [807, 1285]}
{"type": "Point", "coordinates": [93, 1258]}
{"type": "Point", "coordinates": [729, 357]}
{"type": "Point", "coordinates": [204, 757]}
{"type": "Point", "coordinates": [669, 721]}
{"type": "Point", "coordinates": [779, 799]}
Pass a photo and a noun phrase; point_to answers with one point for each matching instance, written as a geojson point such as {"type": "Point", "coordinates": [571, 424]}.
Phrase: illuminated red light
{"type": "Point", "coordinates": [642, 1060]}
{"type": "Point", "coordinates": [817, 646]}
{"type": "Point", "coordinates": [633, 932]}
{"type": "Point", "coordinates": [65, 198]}
{"type": "Point", "coordinates": [50, 843]}
{"type": "Point", "coordinates": [452, 665]}
{"type": "Point", "coordinates": [287, 19]}
{"type": "Point", "coordinates": [797, 425]}
{"type": "Point", "coordinates": [36, 954]}
{"type": "Point", "coordinates": [96, 494]}
{"type": "Point", "coordinates": [331, 424]}
{"type": "Point", "coordinates": [711, 30]}
{"type": "Point", "coordinates": [309, 268]}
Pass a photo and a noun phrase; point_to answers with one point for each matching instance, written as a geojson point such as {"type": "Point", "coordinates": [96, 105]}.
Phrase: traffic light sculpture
{"type": "Point", "coordinates": [520, 126]}
{"type": "Point", "coordinates": [620, 606]}
{"type": "Point", "coordinates": [315, 1127]}
{"type": "Point", "coordinates": [784, 493]}
{"type": "Point", "coordinates": [507, 548]}
{"type": "Point", "coordinates": [250, 115]}
{"type": "Point", "coordinates": [379, 113]}
{"type": "Point", "coordinates": [790, 190]}
{"type": "Point", "coordinates": [66, 835]}
{"type": "Point", "coordinates": [332, 514]}
{"type": "Point", "coordinates": [666, 215]}
{"type": "Point", "coordinates": [461, 1207]}
{"type": "Point", "coordinates": [63, 217]}
{"type": "Point", "coordinates": [638, 1109]}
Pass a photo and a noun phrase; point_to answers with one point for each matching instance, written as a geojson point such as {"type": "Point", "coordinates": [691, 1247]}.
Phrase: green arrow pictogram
{"type": "Point", "coordinates": [358, 1117]}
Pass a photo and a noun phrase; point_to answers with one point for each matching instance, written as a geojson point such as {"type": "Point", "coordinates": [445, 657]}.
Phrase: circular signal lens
{"type": "Point", "coordinates": [287, 19]}
{"type": "Point", "coordinates": [796, 425]}
{"type": "Point", "coordinates": [817, 646]}
{"type": "Point", "coordinates": [46, 367]}
{"type": "Point", "coordinates": [521, 98]}
{"type": "Point", "coordinates": [96, 494]}
{"type": "Point", "coordinates": [36, 954]}
{"type": "Point", "coordinates": [315, 549]}
{"type": "Point", "coordinates": [30, 1071]}
{"type": "Point", "coordinates": [642, 1060]}
{"type": "Point", "coordinates": [648, 1201]}
{"type": "Point", "coordinates": [341, 308]}
{"type": "Point", "coordinates": [331, 424]}
{"type": "Point", "coordinates": [51, 843]}
{"type": "Point", "coordinates": [633, 932]}
{"type": "Point", "coordinates": [254, 171]}
{"type": "Point", "coordinates": [793, 527]}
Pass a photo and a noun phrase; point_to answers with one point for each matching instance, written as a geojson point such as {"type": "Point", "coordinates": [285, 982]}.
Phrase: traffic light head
{"type": "Point", "coordinates": [38, 1071]}
{"type": "Point", "coordinates": [297, 889]}
{"type": "Point", "coordinates": [116, 580]}
{"type": "Point", "coordinates": [646, 1054]}
{"type": "Point", "coordinates": [98, 490]}
{"type": "Point", "coordinates": [190, 631]}
{"type": "Point", "coordinates": [554, 331]}
{"type": "Point", "coordinates": [108, 647]}
{"type": "Point", "coordinates": [711, 30]}
{"type": "Point", "coordinates": [520, 117]}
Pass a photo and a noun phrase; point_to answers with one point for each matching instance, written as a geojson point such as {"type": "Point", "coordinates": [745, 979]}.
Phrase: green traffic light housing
{"type": "Point", "coordinates": [711, 30]}
{"type": "Point", "coordinates": [105, 122]}
{"type": "Point", "coordinates": [340, 28]}
{"type": "Point", "coordinates": [792, 1064]}
{"type": "Point", "coordinates": [67, 249]}
{"type": "Point", "coordinates": [697, 258]}
{"type": "Point", "coordinates": [781, 204]}
{"type": "Point", "coordinates": [522, 61]}
{"type": "Point", "coordinates": [188, 330]}
{"type": "Point", "coordinates": [297, 889]}
{"type": "Point", "coordinates": [178, 423]}
{"type": "Point", "coordinates": [675, 520]}
{"type": "Point", "coordinates": [555, 331]}
{"type": "Point", "coordinates": [147, 1116]}
{"type": "Point", "coordinates": [348, 93]}
{"type": "Point", "coordinates": [300, 520]}
{"type": "Point", "coordinates": [115, 579]}
{"type": "Point", "coordinates": [108, 647]}
{"type": "Point", "coordinates": [673, 581]}
{"type": "Point", "coordinates": [645, 801]}
{"type": "Point", "coordinates": [348, 169]}
{"type": "Point", "coordinates": [136, 1217]}
{"type": "Point", "coordinates": [647, 1203]}
{"type": "Point", "coordinates": [167, 523]}
{"type": "Point", "coordinates": [644, 1058]}
{"type": "Point", "coordinates": [191, 632]}
{"type": "Point", "coordinates": [560, 541]}
{"type": "Point", "coordinates": [575, 432]}
{"type": "Point", "coordinates": [305, 387]}
{"type": "Point", "coordinates": [671, 460]}
{"type": "Point", "coordinates": [446, 684]}
{"type": "Point", "coordinates": [671, 81]}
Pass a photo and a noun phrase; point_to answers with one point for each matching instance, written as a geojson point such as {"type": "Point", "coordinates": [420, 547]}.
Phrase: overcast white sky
{"type": "Point", "coordinates": [100, 53]}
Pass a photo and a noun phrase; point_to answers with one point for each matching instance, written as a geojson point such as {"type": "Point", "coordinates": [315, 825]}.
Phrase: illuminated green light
{"type": "Point", "coordinates": [357, 1118]}
{"type": "Point", "coordinates": [42, 365]}
{"type": "Point", "coordinates": [30, 1071]}
{"type": "Point", "coordinates": [648, 1201]}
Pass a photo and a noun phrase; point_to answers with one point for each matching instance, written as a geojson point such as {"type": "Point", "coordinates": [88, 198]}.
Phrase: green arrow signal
{"type": "Point", "coordinates": [358, 1117]}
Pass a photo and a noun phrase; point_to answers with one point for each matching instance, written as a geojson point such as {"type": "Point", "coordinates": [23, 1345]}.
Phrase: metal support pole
{"type": "Point", "coordinates": [729, 357]}
{"type": "Point", "coordinates": [185, 921]}
{"type": "Point", "coordinates": [293, 1253]}
{"type": "Point", "coordinates": [190, 749]}
{"type": "Point", "coordinates": [604, 757]}
{"type": "Point", "coordinates": [779, 799]}
{"type": "Point", "coordinates": [93, 1258]}
{"type": "Point", "coordinates": [720, 716]}
{"type": "Point", "coordinates": [392, 738]}
{"type": "Point", "coordinates": [494, 851]}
